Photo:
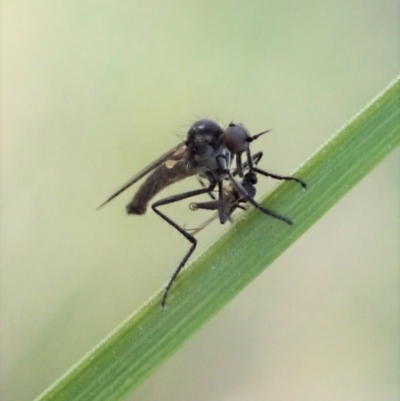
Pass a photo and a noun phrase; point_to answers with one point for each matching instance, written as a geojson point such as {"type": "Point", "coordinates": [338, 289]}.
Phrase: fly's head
{"type": "Point", "coordinates": [236, 141]}
{"type": "Point", "coordinates": [237, 138]}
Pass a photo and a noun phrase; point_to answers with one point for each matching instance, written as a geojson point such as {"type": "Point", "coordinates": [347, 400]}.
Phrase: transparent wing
{"type": "Point", "coordinates": [176, 153]}
{"type": "Point", "coordinates": [205, 223]}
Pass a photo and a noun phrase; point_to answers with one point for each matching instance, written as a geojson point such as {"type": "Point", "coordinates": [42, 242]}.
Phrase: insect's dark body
{"type": "Point", "coordinates": [203, 155]}
{"type": "Point", "coordinates": [208, 152]}
{"type": "Point", "coordinates": [232, 197]}
{"type": "Point", "coordinates": [159, 179]}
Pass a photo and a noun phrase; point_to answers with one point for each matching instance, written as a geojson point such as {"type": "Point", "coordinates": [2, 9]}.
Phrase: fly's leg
{"type": "Point", "coordinates": [242, 191]}
{"type": "Point", "coordinates": [253, 166]}
{"type": "Point", "coordinates": [280, 177]}
{"type": "Point", "coordinates": [256, 159]}
{"type": "Point", "coordinates": [204, 185]}
{"type": "Point", "coordinates": [213, 206]}
{"type": "Point", "coordinates": [189, 237]}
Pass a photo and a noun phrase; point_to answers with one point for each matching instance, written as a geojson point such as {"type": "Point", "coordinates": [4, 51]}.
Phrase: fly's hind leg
{"type": "Point", "coordinates": [189, 237]}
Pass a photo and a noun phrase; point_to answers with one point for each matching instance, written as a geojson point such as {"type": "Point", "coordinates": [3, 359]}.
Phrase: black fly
{"type": "Point", "coordinates": [208, 152]}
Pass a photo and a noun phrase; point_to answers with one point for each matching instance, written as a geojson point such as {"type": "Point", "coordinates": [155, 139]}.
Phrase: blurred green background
{"type": "Point", "coordinates": [94, 90]}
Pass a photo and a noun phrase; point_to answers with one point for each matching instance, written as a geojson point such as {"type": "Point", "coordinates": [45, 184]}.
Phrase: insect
{"type": "Point", "coordinates": [207, 152]}
{"type": "Point", "coordinates": [233, 199]}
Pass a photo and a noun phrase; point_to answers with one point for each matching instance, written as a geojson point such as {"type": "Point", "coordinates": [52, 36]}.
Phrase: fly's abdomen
{"type": "Point", "coordinates": [162, 177]}
{"type": "Point", "coordinates": [135, 207]}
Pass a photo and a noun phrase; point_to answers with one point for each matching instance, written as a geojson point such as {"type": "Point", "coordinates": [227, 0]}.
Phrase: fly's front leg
{"type": "Point", "coordinates": [242, 191]}
{"type": "Point", "coordinates": [189, 237]}
{"type": "Point", "coordinates": [256, 159]}
{"type": "Point", "coordinates": [281, 177]}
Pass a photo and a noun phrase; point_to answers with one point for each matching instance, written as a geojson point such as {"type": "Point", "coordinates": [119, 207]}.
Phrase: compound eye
{"type": "Point", "coordinates": [236, 138]}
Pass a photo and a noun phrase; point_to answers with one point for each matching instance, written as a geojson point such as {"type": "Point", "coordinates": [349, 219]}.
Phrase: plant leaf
{"type": "Point", "coordinates": [150, 335]}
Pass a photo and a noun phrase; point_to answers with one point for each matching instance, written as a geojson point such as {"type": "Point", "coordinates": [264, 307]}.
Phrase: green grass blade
{"type": "Point", "coordinates": [148, 337]}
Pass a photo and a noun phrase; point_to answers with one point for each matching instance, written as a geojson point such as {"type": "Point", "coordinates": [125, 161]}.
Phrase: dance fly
{"type": "Point", "coordinates": [208, 152]}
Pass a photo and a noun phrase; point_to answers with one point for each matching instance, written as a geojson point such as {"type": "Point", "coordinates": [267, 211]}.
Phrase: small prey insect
{"type": "Point", "coordinates": [233, 199]}
{"type": "Point", "coordinates": [207, 152]}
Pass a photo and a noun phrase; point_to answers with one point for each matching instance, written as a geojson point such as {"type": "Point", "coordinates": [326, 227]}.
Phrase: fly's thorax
{"type": "Point", "coordinates": [214, 161]}
{"type": "Point", "coordinates": [204, 143]}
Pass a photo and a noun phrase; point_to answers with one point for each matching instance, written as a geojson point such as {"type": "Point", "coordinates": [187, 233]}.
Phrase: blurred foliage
{"type": "Point", "coordinates": [117, 365]}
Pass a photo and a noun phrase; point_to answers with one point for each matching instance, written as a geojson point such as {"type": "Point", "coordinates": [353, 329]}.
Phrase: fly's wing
{"type": "Point", "coordinates": [205, 223]}
{"type": "Point", "coordinates": [174, 154]}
